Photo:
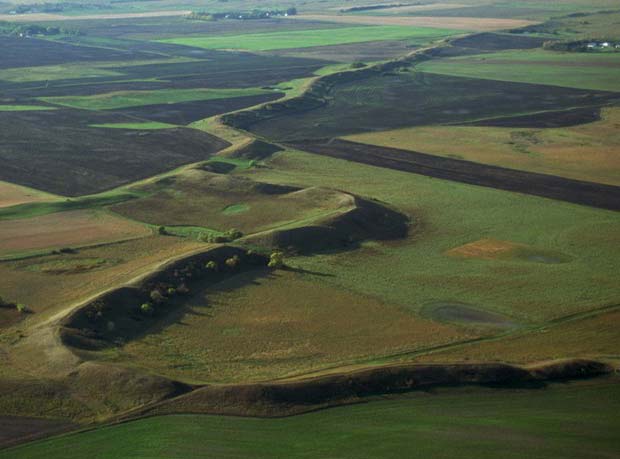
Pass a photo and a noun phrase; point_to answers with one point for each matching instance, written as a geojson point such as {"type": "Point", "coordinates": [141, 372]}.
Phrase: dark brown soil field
{"type": "Point", "coordinates": [14, 429]}
{"type": "Point", "coordinates": [392, 100]}
{"type": "Point", "coordinates": [187, 112]}
{"type": "Point", "coordinates": [25, 52]}
{"type": "Point", "coordinates": [63, 155]}
{"type": "Point", "coordinates": [548, 186]}
{"type": "Point", "coordinates": [498, 42]}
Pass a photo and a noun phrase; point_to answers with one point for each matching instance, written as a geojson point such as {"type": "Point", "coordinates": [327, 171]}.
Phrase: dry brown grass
{"type": "Point", "coordinates": [65, 229]}
{"type": "Point", "coordinates": [594, 337]}
{"type": "Point", "coordinates": [12, 195]}
{"type": "Point", "coordinates": [487, 249]}
{"type": "Point", "coordinates": [588, 152]}
{"type": "Point", "coordinates": [251, 329]}
{"type": "Point", "coordinates": [456, 23]}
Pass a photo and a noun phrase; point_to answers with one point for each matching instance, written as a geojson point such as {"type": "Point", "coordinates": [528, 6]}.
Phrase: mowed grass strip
{"type": "Point", "coordinates": [24, 108]}
{"type": "Point", "coordinates": [573, 421]}
{"type": "Point", "coordinates": [574, 70]}
{"type": "Point", "coordinates": [124, 99]}
{"type": "Point", "coordinates": [588, 152]}
{"type": "Point", "coordinates": [308, 38]}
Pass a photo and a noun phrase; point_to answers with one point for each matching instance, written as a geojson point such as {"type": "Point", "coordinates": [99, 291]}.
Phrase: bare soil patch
{"type": "Point", "coordinates": [65, 229]}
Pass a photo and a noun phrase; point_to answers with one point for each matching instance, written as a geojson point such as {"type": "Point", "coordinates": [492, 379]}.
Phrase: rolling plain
{"type": "Point", "coordinates": [380, 228]}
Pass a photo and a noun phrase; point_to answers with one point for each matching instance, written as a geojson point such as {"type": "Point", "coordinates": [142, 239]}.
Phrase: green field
{"type": "Point", "coordinates": [24, 108]}
{"type": "Point", "coordinates": [575, 70]}
{"type": "Point", "coordinates": [576, 421]}
{"type": "Point", "coordinates": [125, 99]}
{"type": "Point", "coordinates": [308, 38]}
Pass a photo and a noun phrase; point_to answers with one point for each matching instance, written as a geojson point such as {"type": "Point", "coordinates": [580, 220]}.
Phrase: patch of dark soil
{"type": "Point", "coordinates": [349, 104]}
{"type": "Point", "coordinates": [57, 151]}
{"type": "Point", "coordinates": [289, 398]}
{"type": "Point", "coordinates": [497, 42]}
{"type": "Point", "coordinates": [257, 150]}
{"type": "Point", "coordinates": [184, 113]}
{"type": "Point", "coordinates": [28, 52]}
{"type": "Point", "coordinates": [18, 429]}
{"type": "Point", "coordinates": [551, 119]}
{"type": "Point", "coordinates": [218, 167]}
{"type": "Point", "coordinates": [548, 186]}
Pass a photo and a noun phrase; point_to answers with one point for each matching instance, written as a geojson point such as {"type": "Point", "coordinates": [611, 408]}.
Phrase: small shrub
{"type": "Point", "coordinates": [233, 262]}
{"type": "Point", "coordinates": [233, 234]}
{"type": "Point", "coordinates": [161, 230]}
{"type": "Point", "coordinates": [21, 308]}
{"type": "Point", "coordinates": [157, 297]}
{"type": "Point", "coordinates": [147, 309]}
{"type": "Point", "coordinates": [171, 291]}
{"type": "Point", "coordinates": [276, 260]}
{"type": "Point", "coordinates": [358, 65]}
{"type": "Point", "coordinates": [212, 265]}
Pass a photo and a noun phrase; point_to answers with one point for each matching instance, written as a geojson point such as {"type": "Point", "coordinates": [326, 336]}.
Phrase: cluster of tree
{"type": "Point", "coordinates": [583, 46]}
{"type": "Point", "coordinates": [33, 29]}
{"type": "Point", "coordinates": [242, 15]}
{"type": "Point", "coordinates": [53, 7]}
{"type": "Point", "coordinates": [376, 7]}
{"type": "Point", "coordinates": [22, 308]}
{"type": "Point", "coordinates": [229, 236]}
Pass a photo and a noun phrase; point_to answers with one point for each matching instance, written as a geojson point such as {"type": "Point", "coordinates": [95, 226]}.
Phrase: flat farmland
{"type": "Point", "coordinates": [125, 99]}
{"type": "Point", "coordinates": [65, 155]}
{"type": "Point", "coordinates": [412, 98]}
{"type": "Point", "coordinates": [576, 70]}
{"type": "Point", "coordinates": [310, 38]}
{"type": "Point", "coordinates": [472, 24]}
{"type": "Point", "coordinates": [562, 421]}
{"type": "Point", "coordinates": [12, 195]}
{"type": "Point", "coordinates": [65, 229]}
{"type": "Point", "coordinates": [261, 325]}
{"type": "Point", "coordinates": [588, 152]}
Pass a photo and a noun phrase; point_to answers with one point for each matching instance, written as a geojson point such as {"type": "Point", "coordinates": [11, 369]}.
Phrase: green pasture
{"type": "Point", "coordinates": [308, 38]}
{"type": "Point", "coordinates": [576, 70]}
{"type": "Point", "coordinates": [446, 215]}
{"type": "Point", "coordinates": [125, 99]}
{"type": "Point", "coordinates": [573, 421]}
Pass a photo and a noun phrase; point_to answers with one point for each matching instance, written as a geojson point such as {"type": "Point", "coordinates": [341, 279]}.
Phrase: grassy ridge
{"type": "Point", "coordinates": [575, 70]}
{"type": "Point", "coordinates": [575, 421]}
{"type": "Point", "coordinates": [124, 99]}
{"type": "Point", "coordinates": [308, 38]}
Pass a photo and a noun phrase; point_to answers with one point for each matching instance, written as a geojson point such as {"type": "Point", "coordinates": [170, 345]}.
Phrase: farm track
{"type": "Point", "coordinates": [547, 186]}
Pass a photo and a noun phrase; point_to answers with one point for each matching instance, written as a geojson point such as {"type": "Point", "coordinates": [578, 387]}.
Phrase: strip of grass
{"type": "Point", "coordinates": [575, 421]}
{"type": "Point", "coordinates": [574, 70]}
{"type": "Point", "coordinates": [149, 126]}
{"type": "Point", "coordinates": [308, 38]}
{"type": "Point", "coordinates": [36, 209]}
{"type": "Point", "coordinates": [125, 99]}
{"type": "Point", "coordinates": [24, 108]}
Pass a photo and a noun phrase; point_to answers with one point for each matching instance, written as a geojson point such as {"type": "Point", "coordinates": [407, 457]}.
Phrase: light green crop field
{"type": "Point", "coordinates": [575, 70]}
{"type": "Point", "coordinates": [447, 215]}
{"type": "Point", "coordinates": [79, 70]}
{"type": "Point", "coordinates": [308, 38]}
{"type": "Point", "coordinates": [574, 421]}
{"type": "Point", "coordinates": [124, 99]}
{"type": "Point", "coordinates": [147, 126]}
{"type": "Point", "coordinates": [24, 108]}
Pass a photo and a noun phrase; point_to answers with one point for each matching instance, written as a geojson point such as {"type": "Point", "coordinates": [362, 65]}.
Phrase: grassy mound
{"type": "Point", "coordinates": [127, 312]}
